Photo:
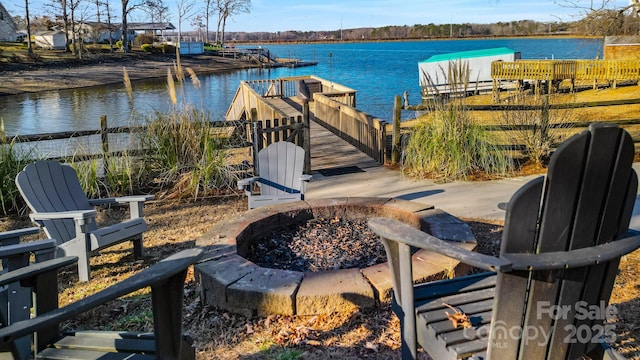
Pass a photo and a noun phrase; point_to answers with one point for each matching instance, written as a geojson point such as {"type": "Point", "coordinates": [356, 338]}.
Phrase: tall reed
{"type": "Point", "coordinates": [185, 159]}
{"type": "Point", "coordinates": [446, 144]}
{"type": "Point", "coordinates": [12, 161]}
{"type": "Point", "coordinates": [538, 130]}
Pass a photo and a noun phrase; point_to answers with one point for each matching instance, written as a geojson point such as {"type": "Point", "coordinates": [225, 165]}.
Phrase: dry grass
{"type": "Point", "coordinates": [370, 333]}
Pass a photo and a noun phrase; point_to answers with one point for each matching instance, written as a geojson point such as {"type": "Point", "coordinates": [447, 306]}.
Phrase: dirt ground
{"type": "Point", "coordinates": [370, 333]}
{"type": "Point", "coordinates": [104, 69]}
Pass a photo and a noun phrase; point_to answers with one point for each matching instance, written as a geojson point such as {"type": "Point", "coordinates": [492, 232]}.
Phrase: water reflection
{"type": "Point", "coordinates": [378, 71]}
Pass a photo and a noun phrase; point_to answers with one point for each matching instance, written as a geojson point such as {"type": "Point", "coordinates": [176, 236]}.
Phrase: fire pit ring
{"type": "Point", "coordinates": [233, 283]}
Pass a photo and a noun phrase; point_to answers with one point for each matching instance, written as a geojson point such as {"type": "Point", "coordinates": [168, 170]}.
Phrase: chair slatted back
{"type": "Point", "coordinates": [48, 186]}
{"type": "Point", "coordinates": [282, 163]}
{"type": "Point", "coordinates": [586, 200]}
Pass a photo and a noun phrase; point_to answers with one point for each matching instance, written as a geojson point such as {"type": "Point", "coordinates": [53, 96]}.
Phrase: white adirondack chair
{"type": "Point", "coordinates": [280, 167]}
{"type": "Point", "coordinates": [58, 203]}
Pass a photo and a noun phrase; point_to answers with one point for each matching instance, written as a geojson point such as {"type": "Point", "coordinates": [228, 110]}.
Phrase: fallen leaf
{"type": "Point", "coordinates": [458, 318]}
{"type": "Point", "coordinates": [371, 346]}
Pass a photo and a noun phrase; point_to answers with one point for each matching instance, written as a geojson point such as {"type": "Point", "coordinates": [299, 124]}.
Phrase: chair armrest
{"type": "Point", "coordinates": [13, 236]}
{"type": "Point", "coordinates": [75, 215]}
{"type": "Point", "coordinates": [244, 184]}
{"type": "Point", "coordinates": [35, 269]}
{"type": "Point", "coordinates": [121, 199]}
{"type": "Point", "coordinates": [574, 258]}
{"type": "Point", "coordinates": [154, 276]}
{"type": "Point", "coordinates": [400, 232]}
{"type": "Point", "coordinates": [33, 246]}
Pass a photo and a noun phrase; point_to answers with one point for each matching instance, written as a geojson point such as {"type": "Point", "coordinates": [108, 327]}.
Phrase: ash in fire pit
{"type": "Point", "coordinates": [319, 245]}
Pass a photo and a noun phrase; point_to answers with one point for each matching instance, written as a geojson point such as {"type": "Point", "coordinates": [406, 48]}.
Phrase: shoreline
{"type": "Point", "coordinates": [100, 71]}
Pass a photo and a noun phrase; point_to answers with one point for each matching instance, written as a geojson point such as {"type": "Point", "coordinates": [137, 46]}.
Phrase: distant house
{"type": "Point", "coordinates": [52, 39]}
{"type": "Point", "coordinates": [98, 32]}
{"type": "Point", "coordinates": [8, 29]}
{"type": "Point", "coordinates": [622, 47]}
{"type": "Point", "coordinates": [151, 28]}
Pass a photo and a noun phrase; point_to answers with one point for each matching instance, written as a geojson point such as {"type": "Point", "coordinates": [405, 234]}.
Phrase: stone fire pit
{"type": "Point", "coordinates": [235, 284]}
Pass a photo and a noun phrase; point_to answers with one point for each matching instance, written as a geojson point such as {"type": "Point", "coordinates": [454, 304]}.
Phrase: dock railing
{"type": "Point", "coordinates": [588, 70]}
{"type": "Point", "coordinates": [334, 108]}
{"type": "Point", "coordinates": [359, 129]}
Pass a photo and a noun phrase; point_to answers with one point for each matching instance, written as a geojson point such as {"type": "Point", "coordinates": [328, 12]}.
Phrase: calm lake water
{"type": "Point", "coordinates": [377, 70]}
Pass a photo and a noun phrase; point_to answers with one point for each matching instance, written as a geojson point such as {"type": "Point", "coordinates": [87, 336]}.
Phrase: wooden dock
{"type": "Point", "coordinates": [555, 71]}
{"type": "Point", "coordinates": [264, 58]}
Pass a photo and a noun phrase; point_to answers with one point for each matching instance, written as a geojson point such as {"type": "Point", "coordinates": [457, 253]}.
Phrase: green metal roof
{"type": "Point", "coordinates": [469, 54]}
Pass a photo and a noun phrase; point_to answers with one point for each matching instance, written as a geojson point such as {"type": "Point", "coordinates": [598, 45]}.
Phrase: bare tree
{"type": "Point", "coordinates": [185, 11]}
{"type": "Point", "coordinates": [198, 23]}
{"type": "Point", "coordinates": [209, 10]}
{"type": "Point", "coordinates": [73, 8]}
{"type": "Point", "coordinates": [26, 15]}
{"type": "Point", "coordinates": [601, 17]}
{"type": "Point", "coordinates": [61, 10]}
{"type": "Point", "coordinates": [127, 7]}
{"type": "Point", "coordinates": [156, 9]}
{"type": "Point", "coordinates": [226, 9]}
{"type": "Point", "coordinates": [107, 9]}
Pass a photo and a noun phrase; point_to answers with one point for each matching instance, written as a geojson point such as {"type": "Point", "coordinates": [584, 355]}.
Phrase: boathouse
{"type": "Point", "coordinates": [622, 47]}
{"type": "Point", "coordinates": [461, 72]}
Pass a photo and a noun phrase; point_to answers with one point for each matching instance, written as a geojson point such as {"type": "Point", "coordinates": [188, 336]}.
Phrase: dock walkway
{"type": "Point", "coordinates": [340, 170]}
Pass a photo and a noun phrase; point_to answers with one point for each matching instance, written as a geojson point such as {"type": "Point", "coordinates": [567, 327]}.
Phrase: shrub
{"type": "Point", "coordinates": [12, 162]}
{"type": "Point", "coordinates": [538, 130]}
{"type": "Point", "coordinates": [184, 159]}
{"type": "Point", "coordinates": [145, 39]}
{"type": "Point", "coordinates": [168, 49]}
{"type": "Point", "coordinates": [447, 145]}
{"type": "Point", "coordinates": [147, 48]}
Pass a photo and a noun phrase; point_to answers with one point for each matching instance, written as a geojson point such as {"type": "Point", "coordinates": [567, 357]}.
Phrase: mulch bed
{"type": "Point", "coordinates": [319, 245]}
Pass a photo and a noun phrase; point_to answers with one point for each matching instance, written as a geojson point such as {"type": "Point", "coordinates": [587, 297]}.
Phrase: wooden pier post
{"type": "Point", "coordinates": [306, 133]}
{"type": "Point", "coordinates": [395, 135]}
{"type": "Point", "coordinates": [104, 135]}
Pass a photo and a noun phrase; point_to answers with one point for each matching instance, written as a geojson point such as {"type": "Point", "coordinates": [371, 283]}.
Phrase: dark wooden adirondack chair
{"type": "Point", "coordinates": [166, 279]}
{"type": "Point", "coordinates": [280, 168]}
{"type": "Point", "coordinates": [15, 297]}
{"type": "Point", "coordinates": [562, 242]}
{"type": "Point", "coordinates": [58, 203]}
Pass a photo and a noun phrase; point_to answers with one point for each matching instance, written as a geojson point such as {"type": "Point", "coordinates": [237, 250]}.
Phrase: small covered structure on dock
{"type": "Point", "coordinates": [456, 74]}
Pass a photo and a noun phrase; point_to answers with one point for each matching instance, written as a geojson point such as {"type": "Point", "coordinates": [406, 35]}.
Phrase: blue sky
{"type": "Point", "coordinates": [281, 15]}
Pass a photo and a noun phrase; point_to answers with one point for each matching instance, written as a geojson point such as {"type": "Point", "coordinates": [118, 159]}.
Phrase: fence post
{"type": "Point", "coordinates": [544, 120]}
{"type": "Point", "coordinates": [306, 137]}
{"type": "Point", "coordinates": [395, 135]}
{"type": "Point", "coordinates": [257, 145]}
{"type": "Point", "coordinates": [104, 135]}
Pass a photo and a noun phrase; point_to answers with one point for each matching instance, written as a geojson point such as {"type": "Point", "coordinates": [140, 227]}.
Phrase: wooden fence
{"type": "Point", "coordinates": [608, 70]}
{"type": "Point", "coordinates": [622, 112]}
{"type": "Point", "coordinates": [117, 141]}
{"type": "Point", "coordinates": [295, 130]}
